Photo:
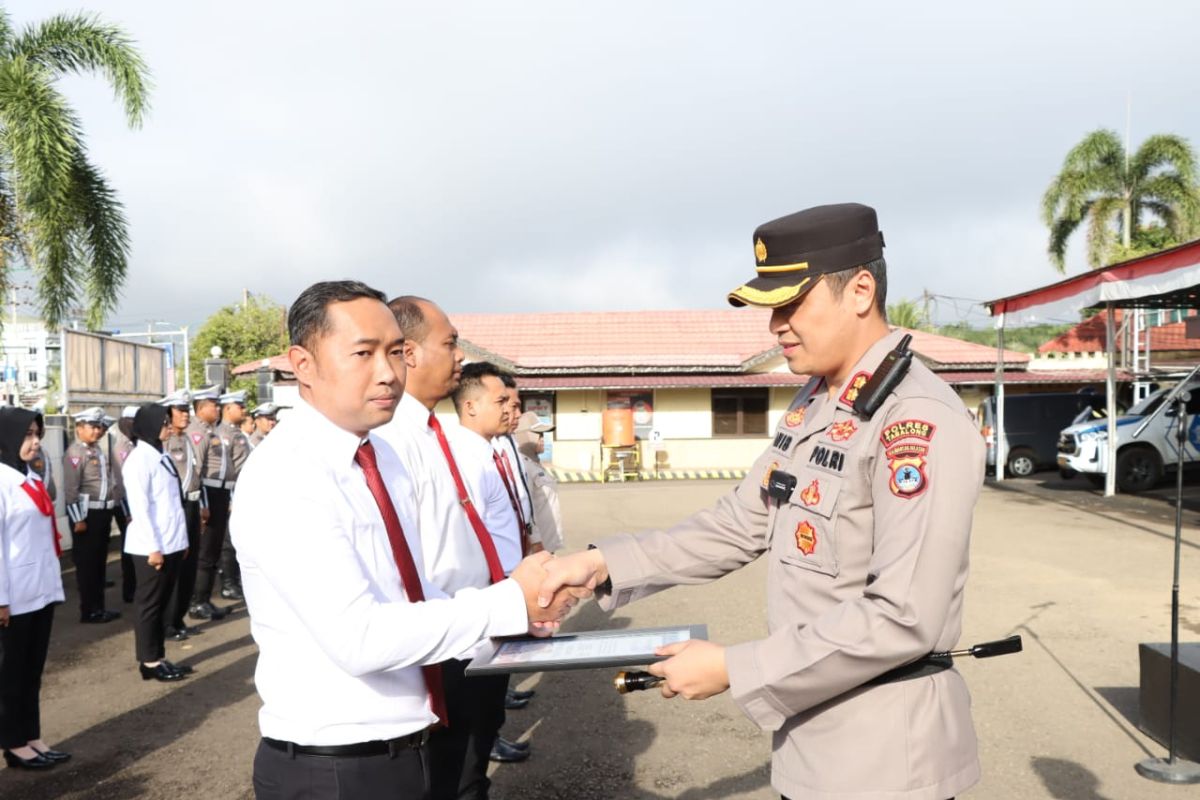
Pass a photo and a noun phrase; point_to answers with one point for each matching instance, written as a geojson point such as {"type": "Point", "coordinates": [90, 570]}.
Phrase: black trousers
{"type": "Point", "coordinates": [231, 573]}
{"type": "Point", "coordinates": [89, 552]}
{"type": "Point", "coordinates": [23, 647]}
{"type": "Point", "coordinates": [181, 598]}
{"type": "Point", "coordinates": [278, 776]}
{"type": "Point", "coordinates": [128, 577]}
{"type": "Point", "coordinates": [154, 588]}
{"type": "Point", "coordinates": [212, 537]}
{"type": "Point", "coordinates": [458, 754]}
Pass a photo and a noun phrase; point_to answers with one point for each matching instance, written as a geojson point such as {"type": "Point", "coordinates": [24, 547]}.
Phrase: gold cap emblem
{"type": "Point", "coordinates": [760, 251]}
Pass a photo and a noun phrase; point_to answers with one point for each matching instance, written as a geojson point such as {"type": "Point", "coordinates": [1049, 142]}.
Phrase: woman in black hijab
{"type": "Point", "coordinates": [156, 537]}
{"type": "Point", "coordinates": [30, 586]}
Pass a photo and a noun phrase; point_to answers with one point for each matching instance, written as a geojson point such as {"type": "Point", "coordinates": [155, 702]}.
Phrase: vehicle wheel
{"type": "Point", "coordinates": [1022, 464]}
{"type": "Point", "coordinates": [1138, 469]}
{"type": "Point", "coordinates": [1066, 473]}
{"type": "Point", "coordinates": [1096, 479]}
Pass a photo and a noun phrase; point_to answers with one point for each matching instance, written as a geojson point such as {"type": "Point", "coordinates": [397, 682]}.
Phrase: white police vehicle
{"type": "Point", "coordinates": [1140, 462]}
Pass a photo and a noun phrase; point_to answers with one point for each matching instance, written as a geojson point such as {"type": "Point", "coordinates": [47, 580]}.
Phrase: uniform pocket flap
{"type": "Point", "coordinates": [817, 493]}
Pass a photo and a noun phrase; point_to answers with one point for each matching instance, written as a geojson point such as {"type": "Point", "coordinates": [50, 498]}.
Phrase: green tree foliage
{"type": "Point", "coordinates": [908, 314]}
{"type": "Point", "coordinates": [57, 212]}
{"type": "Point", "coordinates": [1023, 340]}
{"type": "Point", "coordinates": [1122, 194]}
{"type": "Point", "coordinates": [257, 329]}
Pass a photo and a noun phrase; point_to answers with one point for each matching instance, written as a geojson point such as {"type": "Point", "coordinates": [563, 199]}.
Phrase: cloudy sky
{"type": "Point", "coordinates": [560, 155]}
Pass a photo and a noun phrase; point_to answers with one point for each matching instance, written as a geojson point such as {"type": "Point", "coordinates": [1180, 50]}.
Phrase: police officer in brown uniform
{"type": "Point", "coordinates": [864, 519]}
{"type": "Point", "coordinates": [265, 419]}
{"type": "Point", "coordinates": [183, 451]}
{"type": "Point", "coordinates": [89, 493]}
{"type": "Point", "coordinates": [213, 458]}
{"type": "Point", "coordinates": [237, 445]}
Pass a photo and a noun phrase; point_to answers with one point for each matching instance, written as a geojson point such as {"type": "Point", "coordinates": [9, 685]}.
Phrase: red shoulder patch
{"type": "Point", "coordinates": [907, 464]}
{"type": "Point", "coordinates": [842, 431]}
{"type": "Point", "coordinates": [907, 429]}
{"type": "Point", "coordinates": [196, 437]}
{"type": "Point", "coordinates": [74, 460]}
{"type": "Point", "coordinates": [853, 387]}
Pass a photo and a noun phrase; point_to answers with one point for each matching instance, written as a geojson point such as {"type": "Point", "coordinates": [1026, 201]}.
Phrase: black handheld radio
{"type": "Point", "coordinates": [885, 379]}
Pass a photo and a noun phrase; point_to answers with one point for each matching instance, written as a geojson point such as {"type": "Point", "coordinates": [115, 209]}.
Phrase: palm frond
{"type": "Point", "coordinates": [1060, 232]}
{"type": "Point", "coordinates": [1101, 238]}
{"type": "Point", "coordinates": [103, 237]}
{"type": "Point", "coordinates": [1164, 152]}
{"type": "Point", "coordinates": [78, 43]}
{"type": "Point", "coordinates": [6, 32]}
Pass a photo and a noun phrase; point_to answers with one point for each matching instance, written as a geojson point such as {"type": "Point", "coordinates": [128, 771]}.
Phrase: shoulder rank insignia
{"type": "Point", "coordinates": [806, 538]}
{"type": "Point", "coordinates": [853, 386]}
{"type": "Point", "coordinates": [795, 419]}
{"type": "Point", "coordinates": [811, 494]}
{"type": "Point", "coordinates": [842, 431]}
{"type": "Point", "coordinates": [907, 463]}
{"type": "Point", "coordinates": [906, 429]}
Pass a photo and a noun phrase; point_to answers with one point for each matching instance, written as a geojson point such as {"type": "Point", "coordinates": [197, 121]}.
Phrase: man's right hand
{"type": "Point", "coordinates": [531, 575]}
{"type": "Point", "coordinates": [585, 570]}
{"type": "Point", "coordinates": [80, 527]}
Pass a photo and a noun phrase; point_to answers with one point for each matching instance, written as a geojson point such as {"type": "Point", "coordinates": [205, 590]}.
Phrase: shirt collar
{"type": "Point", "coordinates": [340, 444]}
{"type": "Point", "coordinates": [413, 410]}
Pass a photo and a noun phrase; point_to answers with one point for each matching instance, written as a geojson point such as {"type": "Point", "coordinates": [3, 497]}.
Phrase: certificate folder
{"type": "Point", "coordinates": [587, 650]}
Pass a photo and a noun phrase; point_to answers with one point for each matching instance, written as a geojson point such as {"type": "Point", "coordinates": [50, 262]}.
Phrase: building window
{"type": "Point", "coordinates": [739, 412]}
{"type": "Point", "coordinates": [33, 351]}
{"type": "Point", "coordinates": [33, 377]}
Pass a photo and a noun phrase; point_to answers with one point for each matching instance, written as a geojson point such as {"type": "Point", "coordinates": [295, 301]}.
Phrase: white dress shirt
{"type": "Point", "coordinates": [156, 521]}
{"type": "Point", "coordinates": [453, 557]}
{"type": "Point", "coordinates": [474, 455]}
{"type": "Point", "coordinates": [340, 646]}
{"type": "Point", "coordinates": [30, 577]}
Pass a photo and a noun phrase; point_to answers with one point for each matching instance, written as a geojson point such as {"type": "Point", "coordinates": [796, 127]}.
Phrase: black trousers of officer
{"type": "Point", "coordinates": [128, 578]}
{"type": "Point", "coordinates": [279, 776]}
{"type": "Point", "coordinates": [89, 552]}
{"type": "Point", "coordinates": [153, 596]}
{"type": "Point", "coordinates": [212, 537]}
{"type": "Point", "coordinates": [181, 598]}
{"type": "Point", "coordinates": [458, 754]}
{"type": "Point", "coordinates": [231, 573]}
{"type": "Point", "coordinates": [23, 647]}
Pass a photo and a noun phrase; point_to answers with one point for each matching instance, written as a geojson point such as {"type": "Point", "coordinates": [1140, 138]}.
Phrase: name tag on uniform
{"type": "Point", "coordinates": [828, 458]}
{"type": "Point", "coordinates": [783, 442]}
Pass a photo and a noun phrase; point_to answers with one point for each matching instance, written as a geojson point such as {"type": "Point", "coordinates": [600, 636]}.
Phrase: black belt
{"type": "Point", "coordinates": [926, 665]}
{"type": "Point", "coordinates": [379, 747]}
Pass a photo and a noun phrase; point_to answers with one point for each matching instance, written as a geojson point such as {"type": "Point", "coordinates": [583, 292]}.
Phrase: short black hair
{"type": "Point", "coordinates": [472, 380]}
{"type": "Point", "coordinates": [878, 268]}
{"type": "Point", "coordinates": [508, 379]}
{"type": "Point", "coordinates": [410, 316]}
{"type": "Point", "coordinates": [308, 317]}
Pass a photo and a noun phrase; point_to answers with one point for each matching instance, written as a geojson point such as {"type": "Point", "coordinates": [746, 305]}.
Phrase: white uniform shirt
{"type": "Point", "coordinates": [453, 557]}
{"type": "Point", "coordinates": [340, 646]}
{"type": "Point", "coordinates": [30, 577]}
{"type": "Point", "coordinates": [156, 521]}
{"type": "Point", "coordinates": [484, 484]}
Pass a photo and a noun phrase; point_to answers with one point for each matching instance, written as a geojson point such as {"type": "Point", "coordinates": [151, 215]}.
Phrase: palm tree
{"type": "Point", "coordinates": [1114, 189]}
{"type": "Point", "coordinates": [907, 314]}
{"type": "Point", "coordinates": [58, 215]}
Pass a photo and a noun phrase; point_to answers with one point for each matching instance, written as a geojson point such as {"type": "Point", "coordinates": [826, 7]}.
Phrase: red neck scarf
{"type": "Point", "coordinates": [41, 498]}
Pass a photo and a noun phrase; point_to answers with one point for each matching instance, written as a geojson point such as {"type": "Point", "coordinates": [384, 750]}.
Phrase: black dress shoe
{"type": "Point", "coordinates": [190, 630]}
{"type": "Point", "coordinates": [184, 668]}
{"type": "Point", "coordinates": [37, 762]}
{"type": "Point", "coordinates": [232, 593]}
{"type": "Point", "coordinates": [162, 671]}
{"type": "Point", "coordinates": [513, 704]}
{"type": "Point", "coordinates": [518, 694]}
{"type": "Point", "coordinates": [100, 617]}
{"type": "Point", "coordinates": [207, 611]}
{"type": "Point", "coordinates": [175, 634]}
{"type": "Point", "coordinates": [57, 756]}
{"type": "Point", "coordinates": [523, 746]}
{"type": "Point", "coordinates": [504, 753]}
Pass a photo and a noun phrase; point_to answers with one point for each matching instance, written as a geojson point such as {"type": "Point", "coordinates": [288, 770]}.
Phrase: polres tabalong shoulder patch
{"type": "Point", "coordinates": [907, 464]}
{"type": "Point", "coordinates": [906, 429]}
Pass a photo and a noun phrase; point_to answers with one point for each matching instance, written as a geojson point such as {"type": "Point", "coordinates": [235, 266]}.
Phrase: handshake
{"type": "Point", "coordinates": [553, 586]}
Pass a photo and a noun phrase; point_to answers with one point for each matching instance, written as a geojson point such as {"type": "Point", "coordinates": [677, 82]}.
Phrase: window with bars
{"type": "Point", "coordinates": [739, 412]}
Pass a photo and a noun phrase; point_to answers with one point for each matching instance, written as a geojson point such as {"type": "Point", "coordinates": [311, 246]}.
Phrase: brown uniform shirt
{"type": "Point", "coordinates": [120, 452]}
{"type": "Point", "coordinates": [867, 565]}
{"type": "Point", "coordinates": [183, 452]}
{"type": "Point", "coordinates": [87, 480]}
{"type": "Point", "coordinates": [212, 454]}
{"type": "Point", "coordinates": [237, 445]}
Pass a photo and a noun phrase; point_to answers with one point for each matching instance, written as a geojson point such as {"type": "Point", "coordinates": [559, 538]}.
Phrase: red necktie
{"type": "Point", "coordinates": [495, 571]}
{"type": "Point", "coordinates": [41, 498]}
{"type": "Point", "coordinates": [506, 475]}
{"type": "Point", "coordinates": [404, 564]}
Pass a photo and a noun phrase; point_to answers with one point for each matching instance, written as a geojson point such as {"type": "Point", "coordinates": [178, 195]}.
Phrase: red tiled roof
{"type": "Point", "coordinates": [1089, 337]}
{"type": "Point", "coordinates": [947, 351]}
{"type": "Point", "coordinates": [1034, 376]}
{"type": "Point", "coordinates": [275, 363]}
{"type": "Point", "coordinates": [733, 380]}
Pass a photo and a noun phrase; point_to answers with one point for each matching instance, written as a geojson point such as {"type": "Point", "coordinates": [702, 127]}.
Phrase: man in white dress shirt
{"type": "Point", "coordinates": [459, 550]}
{"type": "Point", "coordinates": [349, 675]}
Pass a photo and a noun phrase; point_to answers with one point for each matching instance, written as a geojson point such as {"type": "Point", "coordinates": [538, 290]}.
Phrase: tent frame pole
{"type": "Point", "coordinates": [998, 434]}
{"type": "Point", "coordinates": [1110, 474]}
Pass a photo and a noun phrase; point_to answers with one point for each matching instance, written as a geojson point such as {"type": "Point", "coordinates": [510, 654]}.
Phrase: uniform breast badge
{"type": "Point", "coordinates": [196, 437]}
{"type": "Point", "coordinates": [806, 538]}
{"type": "Point", "coordinates": [842, 431]}
{"type": "Point", "coordinates": [811, 494]}
{"type": "Point", "coordinates": [795, 419]}
{"type": "Point", "coordinates": [767, 475]}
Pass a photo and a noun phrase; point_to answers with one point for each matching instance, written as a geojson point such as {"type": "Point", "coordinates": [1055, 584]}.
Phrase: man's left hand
{"type": "Point", "coordinates": [695, 669]}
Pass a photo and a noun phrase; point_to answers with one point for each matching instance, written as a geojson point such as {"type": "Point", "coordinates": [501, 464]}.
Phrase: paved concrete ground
{"type": "Point", "coordinates": [1082, 579]}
